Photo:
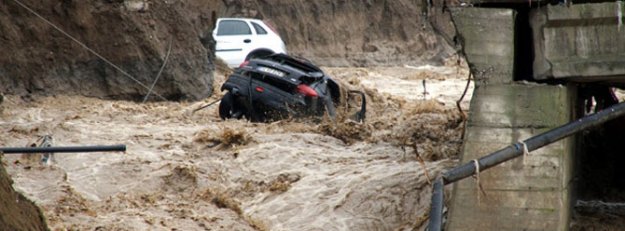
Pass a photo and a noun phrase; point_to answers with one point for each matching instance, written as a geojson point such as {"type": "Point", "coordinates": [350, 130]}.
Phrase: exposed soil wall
{"type": "Point", "coordinates": [16, 211]}
{"type": "Point", "coordinates": [356, 33]}
{"type": "Point", "coordinates": [135, 34]}
{"type": "Point", "coordinates": [131, 34]}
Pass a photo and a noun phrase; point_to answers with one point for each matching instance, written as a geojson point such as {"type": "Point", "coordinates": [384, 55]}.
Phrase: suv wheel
{"type": "Point", "coordinates": [228, 108]}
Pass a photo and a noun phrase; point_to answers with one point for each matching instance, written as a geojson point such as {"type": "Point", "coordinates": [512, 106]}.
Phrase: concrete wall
{"type": "Point", "coordinates": [582, 42]}
{"type": "Point", "coordinates": [487, 37]}
{"type": "Point", "coordinates": [522, 194]}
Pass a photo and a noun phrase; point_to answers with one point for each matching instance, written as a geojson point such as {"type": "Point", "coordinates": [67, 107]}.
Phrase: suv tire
{"type": "Point", "coordinates": [228, 108]}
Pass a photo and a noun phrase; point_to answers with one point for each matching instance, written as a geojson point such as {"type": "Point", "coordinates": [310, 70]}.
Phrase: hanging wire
{"type": "Point", "coordinates": [86, 47]}
{"type": "Point", "coordinates": [159, 72]}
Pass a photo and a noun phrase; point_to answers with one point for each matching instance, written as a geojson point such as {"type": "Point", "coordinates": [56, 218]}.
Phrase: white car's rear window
{"type": "Point", "coordinates": [233, 27]}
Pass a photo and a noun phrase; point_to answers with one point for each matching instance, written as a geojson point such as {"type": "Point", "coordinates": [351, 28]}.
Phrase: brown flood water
{"type": "Point", "coordinates": [192, 171]}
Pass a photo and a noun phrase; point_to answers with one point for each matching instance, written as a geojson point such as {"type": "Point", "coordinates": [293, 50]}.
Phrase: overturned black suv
{"type": "Point", "coordinates": [280, 86]}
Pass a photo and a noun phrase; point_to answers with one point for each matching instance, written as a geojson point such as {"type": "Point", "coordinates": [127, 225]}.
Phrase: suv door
{"type": "Point", "coordinates": [234, 38]}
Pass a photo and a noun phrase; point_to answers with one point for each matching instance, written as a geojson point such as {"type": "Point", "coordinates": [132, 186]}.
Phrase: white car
{"type": "Point", "coordinates": [240, 39]}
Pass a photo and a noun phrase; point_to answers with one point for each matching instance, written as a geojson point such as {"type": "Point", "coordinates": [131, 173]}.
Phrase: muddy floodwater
{"type": "Point", "coordinates": [193, 171]}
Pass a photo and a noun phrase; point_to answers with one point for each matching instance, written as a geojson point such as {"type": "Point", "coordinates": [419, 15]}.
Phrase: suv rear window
{"type": "Point", "coordinates": [233, 27]}
{"type": "Point", "coordinates": [259, 29]}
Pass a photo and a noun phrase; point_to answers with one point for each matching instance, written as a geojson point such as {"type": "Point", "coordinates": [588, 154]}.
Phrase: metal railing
{"type": "Point", "coordinates": [100, 148]}
{"type": "Point", "coordinates": [511, 152]}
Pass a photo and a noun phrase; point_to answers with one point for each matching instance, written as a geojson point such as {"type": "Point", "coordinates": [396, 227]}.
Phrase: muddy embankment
{"type": "Point", "coordinates": [357, 33]}
{"type": "Point", "coordinates": [131, 34]}
{"type": "Point", "coordinates": [16, 211]}
{"type": "Point", "coordinates": [135, 35]}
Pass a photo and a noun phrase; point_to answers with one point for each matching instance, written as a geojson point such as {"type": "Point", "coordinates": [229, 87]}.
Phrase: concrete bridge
{"type": "Point", "coordinates": [537, 66]}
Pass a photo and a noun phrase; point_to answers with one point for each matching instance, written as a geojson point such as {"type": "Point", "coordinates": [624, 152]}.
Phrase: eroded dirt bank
{"type": "Point", "coordinates": [136, 36]}
{"type": "Point", "coordinates": [39, 59]}
{"type": "Point", "coordinates": [16, 211]}
{"type": "Point", "coordinates": [357, 33]}
{"type": "Point", "coordinates": [192, 171]}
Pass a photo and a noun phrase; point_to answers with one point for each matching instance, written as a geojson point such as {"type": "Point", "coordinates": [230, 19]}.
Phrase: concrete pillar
{"type": "Point", "coordinates": [487, 38]}
{"type": "Point", "coordinates": [529, 193]}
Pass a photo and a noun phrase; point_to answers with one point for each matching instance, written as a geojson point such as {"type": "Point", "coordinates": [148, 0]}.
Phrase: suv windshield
{"type": "Point", "coordinates": [233, 27]}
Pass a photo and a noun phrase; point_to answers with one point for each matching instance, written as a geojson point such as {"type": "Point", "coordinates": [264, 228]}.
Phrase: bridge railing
{"type": "Point", "coordinates": [511, 152]}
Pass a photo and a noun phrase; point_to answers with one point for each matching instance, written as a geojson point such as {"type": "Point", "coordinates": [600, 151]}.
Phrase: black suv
{"type": "Point", "coordinates": [280, 86]}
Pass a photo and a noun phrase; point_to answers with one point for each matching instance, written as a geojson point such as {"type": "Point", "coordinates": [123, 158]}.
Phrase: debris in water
{"type": "Point", "coordinates": [46, 141]}
{"type": "Point", "coordinates": [348, 131]}
{"type": "Point", "coordinates": [223, 200]}
{"type": "Point", "coordinates": [226, 137]}
{"type": "Point", "coordinates": [283, 182]}
{"type": "Point", "coordinates": [182, 178]}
